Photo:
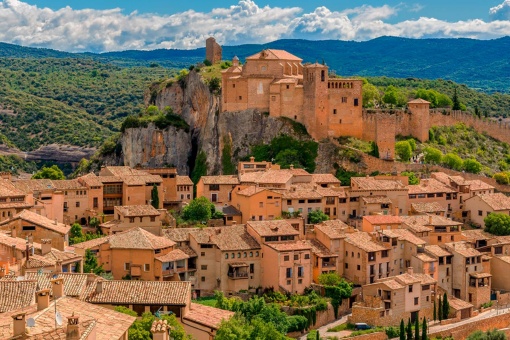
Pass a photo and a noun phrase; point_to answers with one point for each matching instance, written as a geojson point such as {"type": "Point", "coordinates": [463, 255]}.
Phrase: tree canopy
{"type": "Point", "coordinates": [52, 172]}
{"type": "Point", "coordinates": [317, 216]}
{"type": "Point", "coordinates": [199, 209]}
{"type": "Point", "coordinates": [497, 224]}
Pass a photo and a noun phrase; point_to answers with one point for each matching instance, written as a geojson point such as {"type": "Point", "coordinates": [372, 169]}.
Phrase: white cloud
{"type": "Point", "coordinates": [246, 22]}
{"type": "Point", "coordinates": [501, 11]}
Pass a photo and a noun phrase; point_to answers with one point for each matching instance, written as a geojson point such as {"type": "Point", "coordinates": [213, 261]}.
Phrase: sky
{"type": "Point", "coordinates": [114, 25]}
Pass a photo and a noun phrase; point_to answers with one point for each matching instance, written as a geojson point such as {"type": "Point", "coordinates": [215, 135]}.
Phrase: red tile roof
{"type": "Point", "coordinates": [207, 316]}
{"type": "Point", "coordinates": [383, 219]}
{"type": "Point", "coordinates": [41, 221]}
{"type": "Point", "coordinates": [272, 228]}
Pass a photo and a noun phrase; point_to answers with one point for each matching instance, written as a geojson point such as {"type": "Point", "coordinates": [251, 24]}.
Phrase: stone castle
{"type": "Point", "coordinates": [277, 82]}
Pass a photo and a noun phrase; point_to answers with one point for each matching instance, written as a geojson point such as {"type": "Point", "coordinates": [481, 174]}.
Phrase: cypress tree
{"type": "Point", "coordinates": [318, 337]}
{"type": "Point", "coordinates": [446, 307]}
{"type": "Point", "coordinates": [434, 315]}
{"type": "Point", "coordinates": [402, 334]}
{"type": "Point", "coordinates": [440, 310]}
{"type": "Point", "coordinates": [455, 99]}
{"type": "Point", "coordinates": [155, 197]}
{"type": "Point", "coordinates": [424, 330]}
{"type": "Point", "coordinates": [416, 329]}
{"type": "Point", "coordinates": [409, 330]}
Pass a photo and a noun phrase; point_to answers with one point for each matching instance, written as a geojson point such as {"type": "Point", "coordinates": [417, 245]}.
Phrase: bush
{"type": "Point", "coordinates": [403, 150]}
{"type": "Point", "coordinates": [453, 161]}
{"type": "Point", "coordinates": [432, 155]}
{"type": "Point", "coordinates": [472, 166]}
{"type": "Point", "coordinates": [497, 224]}
{"type": "Point", "coordinates": [502, 178]}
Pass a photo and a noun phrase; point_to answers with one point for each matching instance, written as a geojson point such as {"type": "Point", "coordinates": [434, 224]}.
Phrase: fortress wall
{"type": "Point", "coordinates": [368, 120]}
{"type": "Point", "coordinates": [385, 131]}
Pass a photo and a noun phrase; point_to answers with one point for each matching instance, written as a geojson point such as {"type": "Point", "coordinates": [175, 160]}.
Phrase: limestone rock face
{"type": "Point", "coordinates": [52, 152]}
{"type": "Point", "coordinates": [209, 129]}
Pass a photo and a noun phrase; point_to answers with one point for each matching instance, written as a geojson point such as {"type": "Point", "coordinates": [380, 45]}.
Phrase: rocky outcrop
{"type": "Point", "coordinates": [52, 152]}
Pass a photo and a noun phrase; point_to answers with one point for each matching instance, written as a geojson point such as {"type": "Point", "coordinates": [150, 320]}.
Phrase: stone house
{"type": "Point", "coordinates": [12, 200]}
{"type": "Point", "coordinates": [434, 229]}
{"type": "Point", "coordinates": [480, 206]}
{"type": "Point", "coordinates": [217, 189]}
{"type": "Point", "coordinates": [257, 203]}
{"type": "Point", "coordinates": [129, 216]}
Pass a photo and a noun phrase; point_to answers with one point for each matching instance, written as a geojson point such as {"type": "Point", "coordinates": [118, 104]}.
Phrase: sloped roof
{"type": "Point", "coordinates": [463, 248]}
{"type": "Point", "coordinates": [430, 185]}
{"type": "Point", "coordinates": [290, 245]}
{"type": "Point", "coordinates": [8, 189]}
{"type": "Point", "coordinates": [28, 186]}
{"type": "Point", "coordinates": [370, 183]}
{"type": "Point", "coordinates": [364, 241]}
{"type": "Point", "coordinates": [138, 238]}
{"type": "Point", "coordinates": [174, 255]}
{"type": "Point", "coordinates": [496, 201]}
{"type": "Point", "coordinates": [334, 229]}
{"type": "Point", "coordinates": [383, 219]}
{"type": "Point", "coordinates": [91, 180]}
{"type": "Point", "coordinates": [17, 242]}
{"type": "Point", "coordinates": [138, 210]}
{"type": "Point", "coordinates": [272, 54]}
{"type": "Point", "coordinates": [223, 179]}
{"type": "Point", "coordinates": [40, 221]}
{"type": "Point", "coordinates": [320, 250]}
{"type": "Point", "coordinates": [208, 316]}
{"type": "Point", "coordinates": [404, 234]}
{"type": "Point", "coordinates": [437, 250]}
{"type": "Point", "coordinates": [427, 207]}
{"type": "Point", "coordinates": [16, 294]}
{"type": "Point", "coordinates": [75, 284]}
{"type": "Point", "coordinates": [183, 180]}
{"type": "Point", "coordinates": [272, 228]}
{"type": "Point", "coordinates": [325, 178]}
{"type": "Point", "coordinates": [418, 101]}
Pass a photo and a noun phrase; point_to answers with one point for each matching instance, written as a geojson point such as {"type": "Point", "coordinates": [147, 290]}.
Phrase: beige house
{"type": "Point", "coordinates": [434, 229]}
{"type": "Point", "coordinates": [217, 189]}
{"type": "Point", "coordinates": [444, 269]}
{"type": "Point", "coordinates": [257, 203]}
{"type": "Point", "coordinates": [12, 200]}
{"type": "Point", "coordinates": [129, 216]}
{"type": "Point", "coordinates": [480, 206]}
{"type": "Point", "coordinates": [433, 191]}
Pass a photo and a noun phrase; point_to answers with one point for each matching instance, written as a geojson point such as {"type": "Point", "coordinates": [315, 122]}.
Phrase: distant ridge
{"type": "Point", "coordinates": [480, 64]}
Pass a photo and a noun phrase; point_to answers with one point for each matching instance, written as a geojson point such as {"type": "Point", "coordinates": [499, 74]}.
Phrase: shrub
{"type": "Point", "coordinates": [432, 155]}
{"type": "Point", "coordinates": [403, 150]}
{"type": "Point", "coordinates": [472, 166]}
{"type": "Point", "coordinates": [453, 161]}
{"type": "Point", "coordinates": [501, 178]}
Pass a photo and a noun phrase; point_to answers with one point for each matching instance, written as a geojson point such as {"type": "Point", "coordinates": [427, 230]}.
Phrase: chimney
{"type": "Point", "coordinates": [18, 325]}
{"type": "Point", "coordinates": [410, 270]}
{"type": "Point", "coordinates": [45, 246]}
{"type": "Point", "coordinates": [58, 266]}
{"type": "Point", "coordinates": [234, 222]}
{"type": "Point", "coordinates": [91, 277]}
{"type": "Point", "coordinates": [73, 328]}
{"type": "Point", "coordinates": [252, 159]}
{"type": "Point", "coordinates": [14, 233]}
{"type": "Point", "coordinates": [57, 286]}
{"type": "Point", "coordinates": [430, 219]}
{"type": "Point", "coordinates": [99, 287]}
{"type": "Point", "coordinates": [56, 222]}
{"type": "Point", "coordinates": [43, 299]}
{"type": "Point", "coordinates": [160, 329]}
{"type": "Point", "coordinates": [396, 211]}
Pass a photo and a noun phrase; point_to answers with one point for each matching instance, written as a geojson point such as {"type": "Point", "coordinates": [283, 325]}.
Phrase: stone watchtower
{"type": "Point", "coordinates": [315, 100]}
{"type": "Point", "coordinates": [212, 51]}
{"type": "Point", "coordinates": [420, 119]}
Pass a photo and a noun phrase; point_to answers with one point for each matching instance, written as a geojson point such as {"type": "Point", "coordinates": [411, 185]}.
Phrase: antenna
{"type": "Point", "coordinates": [31, 322]}
{"type": "Point", "coordinates": [58, 318]}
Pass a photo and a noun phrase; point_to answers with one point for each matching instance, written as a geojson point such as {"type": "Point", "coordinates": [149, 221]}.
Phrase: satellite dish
{"type": "Point", "coordinates": [58, 318]}
{"type": "Point", "coordinates": [31, 322]}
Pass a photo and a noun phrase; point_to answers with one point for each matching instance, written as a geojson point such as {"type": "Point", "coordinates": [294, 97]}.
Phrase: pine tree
{"type": "Point", "coordinates": [434, 315]}
{"type": "Point", "coordinates": [409, 330]}
{"type": "Point", "coordinates": [446, 307]}
{"type": "Point", "coordinates": [416, 329]}
{"type": "Point", "coordinates": [155, 197]}
{"type": "Point", "coordinates": [455, 99]}
{"type": "Point", "coordinates": [440, 310]}
{"type": "Point", "coordinates": [424, 329]}
{"type": "Point", "coordinates": [402, 334]}
{"type": "Point", "coordinates": [318, 337]}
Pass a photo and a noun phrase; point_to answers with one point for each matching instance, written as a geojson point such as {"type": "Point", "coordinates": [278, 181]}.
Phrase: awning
{"type": "Point", "coordinates": [238, 264]}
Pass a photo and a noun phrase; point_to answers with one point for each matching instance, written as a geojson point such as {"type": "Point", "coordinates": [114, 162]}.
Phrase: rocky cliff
{"type": "Point", "coordinates": [52, 152]}
{"type": "Point", "coordinates": [209, 130]}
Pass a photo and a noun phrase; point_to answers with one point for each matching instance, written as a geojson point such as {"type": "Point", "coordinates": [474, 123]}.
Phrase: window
{"type": "Point", "coordinates": [28, 228]}
{"type": "Point", "coordinates": [356, 102]}
{"type": "Point", "coordinates": [214, 187]}
{"type": "Point", "coordinates": [202, 253]}
{"type": "Point", "coordinates": [226, 256]}
{"type": "Point", "coordinates": [261, 204]}
{"type": "Point", "coordinates": [127, 266]}
{"type": "Point", "coordinates": [410, 288]}
{"type": "Point", "coordinates": [346, 265]}
{"type": "Point", "coordinates": [301, 272]}
{"type": "Point", "coordinates": [244, 254]}
{"type": "Point", "coordinates": [131, 220]}
{"type": "Point", "coordinates": [203, 267]}
{"type": "Point", "coordinates": [153, 219]}
{"type": "Point", "coordinates": [286, 258]}
{"type": "Point", "coordinates": [480, 213]}
{"type": "Point", "coordinates": [252, 268]}
{"type": "Point", "coordinates": [251, 254]}
{"type": "Point", "coordinates": [240, 97]}
{"type": "Point", "coordinates": [358, 267]}
{"type": "Point", "coordinates": [95, 202]}
{"type": "Point", "coordinates": [77, 204]}
{"type": "Point", "coordinates": [288, 273]}
{"type": "Point", "coordinates": [416, 300]}
{"type": "Point", "coordinates": [344, 99]}
{"type": "Point", "coordinates": [147, 267]}
{"type": "Point", "coordinates": [439, 239]}
{"type": "Point", "coordinates": [256, 254]}
{"type": "Point", "coordinates": [296, 257]}
{"type": "Point", "coordinates": [202, 279]}
{"type": "Point", "coordinates": [334, 111]}
{"type": "Point", "coordinates": [307, 256]}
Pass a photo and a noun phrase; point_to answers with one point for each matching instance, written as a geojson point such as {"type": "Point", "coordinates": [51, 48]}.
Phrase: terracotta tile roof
{"type": "Point", "coordinates": [234, 238]}
{"type": "Point", "coordinates": [325, 179]}
{"type": "Point", "coordinates": [174, 255]}
{"type": "Point", "coordinates": [138, 210]}
{"type": "Point", "coordinates": [271, 176]}
{"type": "Point", "coordinates": [250, 191]}
{"type": "Point", "coordinates": [108, 325]}
{"type": "Point", "coordinates": [320, 250]}
{"type": "Point", "coordinates": [477, 234]}
{"type": "Point", "coordinates": [16, 294]}
{"type": "Point", "coordinates": [92, 243]}
{"type": "Point", "coordinates": [188, 251]}
{"type": "Point", "coordinates": [179, 234]}
{"type": "Point", "coordinates": [480, 275]}
{"type": "Point", "coordinates": [418, 101]}
{"type": "Point", "coordinates": [334, 229]}
{"type": "Point", "coordinates": [231, 211]}
{"type": "Point", "coordinates": [29, 186]}
{"type": "Point", "coordinates": [376, 199]}
{"type": "Point", "coordinates": [501, 240]}
{"type": "Point", "coordinates": [504, 258]}
{"type": "Point", "coordinates": [272, 54]}
{"type": "Point", "coordinates": [370, 183]}
{"type": "Point", "coordinates": [391, 283]}
{"type": "Point", "coordinates": [404, 234]}
{"type": "Point", "coordinates": [289, 245]}
{"type": "Point", "coordinates": [75, 284]}
{"type": "Point", "coordinates": [425, 258]}
{"type": "Point", "coordinates": [70, 184]}
{"type": "Point", "coordinates": [122, 171]}
{"type": "Point", "coordinates": [18, 205]}
{"type": "Point", "coordinates": [141, 179]}
{"type": "Point", "coordinates": [8, 189]}
{"type": "Point", "coordinates": [416, 221]}
{"type": "Point", "coordinates": [497, 201]}
{"type": "Point", "coordinates": [159, 326]}
{"type": "Point", "coordinates": [407, 279]}
{"type": "Point", "coordinates": [301, 193]}
{"type": "Point", "coordinates": [383, 219]}
{"type": "Point", "coordinates": [476, 185]}
{"type": "Point", "coordinates": [225, 179]}
{"type": "Point", "coordinates": [430, 207]}
{"type": "Point", "coordinates": [272, 228]}
{"type": "Point", "coordinates": [124, 292]}
{"type": "Point", "coordinates": [38, 261]}
{"type": "Point", "coordinates": [138, 238]}
{"type": "Point", "coordinates": [458, 304]}
{"type": "Point", "coordinates": [41, 221]}
{"type": "Point", "coordinates": [208, 316]}
{"type": "Point", "coordinates": [364, 241]}
{"type": "Point", "coordinates": [55, 255]}
{"type": "Point", "coordinates": [184, 180]}
{"type": "Point", "coordinates": [437, 251]}
{"type": "Point", "coordinates": [110, 179]}
{"type": "Point", "coordinates": [335, 192]}
{"type": "Point", "coordinates": [462, 248]}
{"type": "Point", "coordinates": [91, 180]}
{"type": "Point", "coordinates": [430, 185]}
{"type": "Point", "coordinates": [19, 243]}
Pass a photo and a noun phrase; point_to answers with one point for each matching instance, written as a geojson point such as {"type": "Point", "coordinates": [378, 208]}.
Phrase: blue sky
{"type": "Point", "coordinates": [98, 26]}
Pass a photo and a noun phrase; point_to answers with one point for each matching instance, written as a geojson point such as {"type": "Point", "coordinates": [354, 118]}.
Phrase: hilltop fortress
{"type": "Point", "coordinates": [277, 82]}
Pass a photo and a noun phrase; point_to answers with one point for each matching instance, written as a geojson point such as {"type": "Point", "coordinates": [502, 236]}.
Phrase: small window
{"type": "Point", "coordinates": [410, 288]}
{"type": "Point", "coordinates": [233, 86]}
{"type": "Point", "coordinates": [77, 204]}
{"type": "Point", "coordinates": [358, 267]}
{"type": "Point", "coordinates": [202, 279]}
{"type": "Point", "coordinates": [240, 97]}
{"type": "Point", "coordinates": [288, 87]}
{"type": "Point", "coordinates": [334, 111]}
{"type": "Point", "coordinates": [251, 254]}
{"type": "Point", "coordinates": [296, 257]}
{"type": "Point", "coordinates": [256, 254]}
{"type": "Point", "coordinates": [356, 102]}
{"type": "Point", "coordinates": [127, 266]}
{"type": "Point", "coordinates": [147, 267]}
{"type": "Point", "coordinates": [286, 258]}
{"type": "Point", "coordinates": [416, 301]}
{"type": "Point", "coordinates": [307, 256]}
{"type": "Point", "coordinates": [203, 267]}
{"type": "Point", "coordinates": [202, 253]}
{"type": "Point", "coordinates": [226, 256]}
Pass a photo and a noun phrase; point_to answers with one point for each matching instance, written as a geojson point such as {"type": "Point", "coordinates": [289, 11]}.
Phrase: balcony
{"type": "Point", "coordinates": [235, 276]}
{"type": "Point", "coordinates": [168, 272]}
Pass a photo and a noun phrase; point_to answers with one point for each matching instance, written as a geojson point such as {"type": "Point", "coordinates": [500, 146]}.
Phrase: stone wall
{"type": "Point", "coordinates": [212, 51]}
{"type": "Point", "coordinates": [462, 331]}
{"type": "Point", "coordinates": [371, 336]}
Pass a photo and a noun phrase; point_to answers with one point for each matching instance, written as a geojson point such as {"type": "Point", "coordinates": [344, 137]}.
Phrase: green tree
{"type": "Point", "coordinates": [501, 178]}
{"type": "Point", "coordinates": [440, 310]}
{"type": "Point", "coordinates": [456, 103]}
{"type": "Point", "coordinates": [413, 179]}
{"type": "Point", "coordinates": [90, 264]}
{"type": "Point", "coordinates": [152, 110]}
{"type": "Point", "coordinates": [371, 94]}
{"type": "Point", "coordinates": [424, 329]}
{"type": "Point", "coordinates": [403, 150]}
{"type": "Point", "coordinates": [199, 209]}
{"type": "Point", "coordinates": [409, 330]}
{"type": "Point", "coordinates": [497, 224]}
{"type": "Point", "coordinates": [434, 314]}
{"type": "Point", "coordinates": [432, 155]}
{"type": "Point", "coordinates": [416, 329]}
{"type": "Point", "coordinates": [472, 165]}
{"type": "Point", "coordinates": [492, 334]}
{"type": "Point", "coordinates": [330, 279]}
{"type": "Point", "coordinates": [317, 216]}
{"type": "Point", "coordinates": [76, 234]}
{"type": "Point", "coordinates": [402, 333]}
{"type": "Point", "coordinates": [453, 161]}
{"type": "Point", "coordinates": [155, 196]}
{"type": "Point", "coordinates": [445, 307]}
{"type": "Point", "coordinates": [52, 172]}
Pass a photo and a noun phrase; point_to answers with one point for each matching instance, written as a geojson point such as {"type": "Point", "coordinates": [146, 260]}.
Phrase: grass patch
{"type": "Point", "coordinates": [342, 327]}
{"type": "Point", "coordinates": [206, 301]}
